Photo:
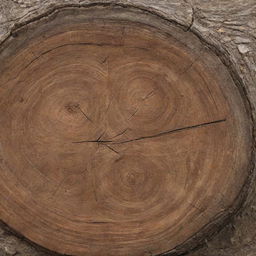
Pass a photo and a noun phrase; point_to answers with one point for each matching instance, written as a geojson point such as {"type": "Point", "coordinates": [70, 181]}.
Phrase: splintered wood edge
{"type": "Point", "coordinates": [223, 217]}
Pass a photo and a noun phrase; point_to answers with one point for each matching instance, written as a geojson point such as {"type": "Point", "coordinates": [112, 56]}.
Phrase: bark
{"type": "Point", "coordinates": [229, 29]}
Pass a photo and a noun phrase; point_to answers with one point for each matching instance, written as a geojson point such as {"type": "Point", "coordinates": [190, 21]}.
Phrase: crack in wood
{"type": "Point", "coordinates": [121, 133]}
{"type": "Point", "coordinates": [172, 131]}
{"type": "Point", "coordinates": [155, 135]}
{"type": "Point", "coordinates": [102, 141]}
{"type": "Point", "coordinates": [85, 115]}
{"type": "Point", "coordinates": [111, 148]}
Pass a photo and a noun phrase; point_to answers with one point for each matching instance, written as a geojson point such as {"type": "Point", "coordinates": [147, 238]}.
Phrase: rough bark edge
{"type": "Point", "coordinates": [56, 9]}
{"type": "Point", "coordinates": [224, 217]}
{"type": "Point", "coordinates": [221, 219]}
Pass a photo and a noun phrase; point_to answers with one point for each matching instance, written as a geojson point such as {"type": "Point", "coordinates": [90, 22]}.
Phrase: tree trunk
{"type": "Point", "coordinates": [156, 156]}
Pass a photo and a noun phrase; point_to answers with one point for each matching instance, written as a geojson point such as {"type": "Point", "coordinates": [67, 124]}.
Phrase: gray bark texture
{"type": "Point", "coordinates": [229, 27]}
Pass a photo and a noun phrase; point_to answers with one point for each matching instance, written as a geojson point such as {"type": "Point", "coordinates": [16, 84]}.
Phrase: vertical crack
{"type": "Point", "coordinates": [192, 16]}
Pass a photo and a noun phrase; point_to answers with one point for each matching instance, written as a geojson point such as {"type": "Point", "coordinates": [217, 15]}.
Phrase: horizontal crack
{"type": "Point", "coordinates": [172, 131]}
{"type": "Point", "coordinates": [98, 222]}
{"type": "Point", "coordinates": [155, 135]}
{"type": "Point", "coordinates": [93, 141]}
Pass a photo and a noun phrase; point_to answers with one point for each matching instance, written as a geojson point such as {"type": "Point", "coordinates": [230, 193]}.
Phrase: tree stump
{"type": "Point", "coordinates": [121, 134]}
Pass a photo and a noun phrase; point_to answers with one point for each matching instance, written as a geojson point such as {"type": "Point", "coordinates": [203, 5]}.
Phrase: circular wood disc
{"type": "Point", "coordinates": [120, 135]}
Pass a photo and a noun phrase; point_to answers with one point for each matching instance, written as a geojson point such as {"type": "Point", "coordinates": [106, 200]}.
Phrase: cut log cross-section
{"type": "Point", "coordinates": [121, 135]}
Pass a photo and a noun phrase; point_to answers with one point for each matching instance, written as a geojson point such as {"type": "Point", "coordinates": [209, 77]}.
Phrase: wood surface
{"type": "Point", "coordinates": [119, 135]}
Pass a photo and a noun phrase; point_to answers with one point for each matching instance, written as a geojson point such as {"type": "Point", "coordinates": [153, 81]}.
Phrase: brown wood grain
{"type": "Point", "coordinates": [117, 137]}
